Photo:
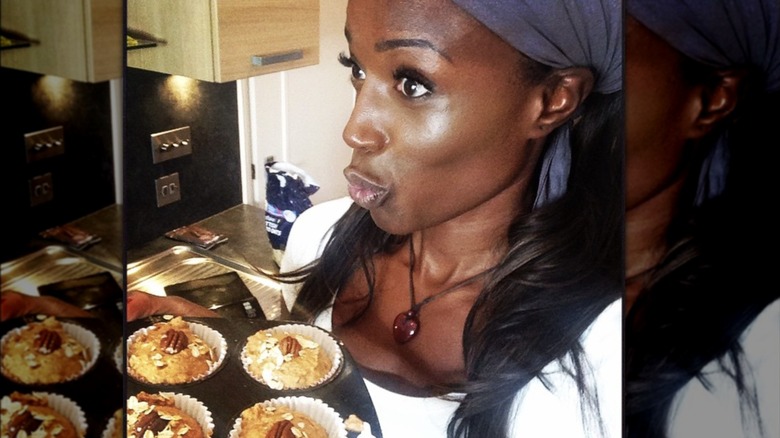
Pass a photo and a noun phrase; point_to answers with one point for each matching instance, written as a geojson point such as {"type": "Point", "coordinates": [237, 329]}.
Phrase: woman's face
{"type": "Point", "coordinates": [441, 116]}
{"type": "Point", "coordinates": [658, 111]}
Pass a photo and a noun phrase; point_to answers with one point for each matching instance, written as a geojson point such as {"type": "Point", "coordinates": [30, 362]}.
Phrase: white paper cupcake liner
{"type": "Point", "coordinates": [211, 337]}
{"type": "Point", "coordinates": [314, 408]}
{"type": "Point", "coordinates": [83, 336]}
{"type": "Point", "coordinates": [119, 357]}
{"type": "Point", "coordinates": [111, 428]}
{"type": "Point", "coordinates": [194, 408]}
{"type": "Point", "coordinates": [327, 343]}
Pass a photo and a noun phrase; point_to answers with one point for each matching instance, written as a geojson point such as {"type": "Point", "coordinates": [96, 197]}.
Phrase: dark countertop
{"type": "Point", "coordinates": [247, 243]}
{"type": "Point", "coordinates": [105, 223]}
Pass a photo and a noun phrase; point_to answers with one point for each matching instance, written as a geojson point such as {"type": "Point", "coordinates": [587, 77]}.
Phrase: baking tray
{"type": "Point", "coordinates": [99, 392]}
{"type": "Point", "coordinates": [97, 293]}
{"type": "Point", "coordinates": [225, 294]}
{"type": "Point", "coordinates": [230, 389]}
{"type": "Point", "coordinates": [185, 263]}
{"type": "Point", "coordinates": [49, 265]}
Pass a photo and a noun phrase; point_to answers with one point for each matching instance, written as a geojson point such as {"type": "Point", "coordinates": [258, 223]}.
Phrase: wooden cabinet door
{"type": "Point", "coordinates": [257, 37]}
{"type": "Point", "coordinates": [224, 40]}
{"type": "Point", "coordinates": [74, 39]}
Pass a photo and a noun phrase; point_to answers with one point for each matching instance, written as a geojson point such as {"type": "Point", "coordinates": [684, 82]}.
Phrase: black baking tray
{"type": "Point", "coordinates": [225, 294]}
{"type": "Point", "coordinates": [99, 392]}
{"type": "Point", "coordinates": [97, 293]}
{"type": "Point", "coordinates": [230, 390]}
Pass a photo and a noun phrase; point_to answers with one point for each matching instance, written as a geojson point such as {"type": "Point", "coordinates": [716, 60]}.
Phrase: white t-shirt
{"type": "Point", "coordinates": [539, 412]}
{"type": "Point", "coordinates": [715, 413]}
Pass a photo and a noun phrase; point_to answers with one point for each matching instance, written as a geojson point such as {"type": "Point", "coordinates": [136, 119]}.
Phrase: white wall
{"type": "Point", "coordinates": [117, 134]}
{"type": "Point", "coordinates": [297, 116]}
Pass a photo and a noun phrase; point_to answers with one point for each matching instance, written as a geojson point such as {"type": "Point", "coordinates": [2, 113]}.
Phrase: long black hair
{"type": "Point", "coordinates": [709, 286]}
{"type": "Point", "coordinates": [563, 268]}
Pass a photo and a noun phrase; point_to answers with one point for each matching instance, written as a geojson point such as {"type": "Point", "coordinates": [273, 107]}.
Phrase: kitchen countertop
{"type": "Point", "coordinates": [247, 243]}
{"type": "Point", "coordinates": [105, 223]}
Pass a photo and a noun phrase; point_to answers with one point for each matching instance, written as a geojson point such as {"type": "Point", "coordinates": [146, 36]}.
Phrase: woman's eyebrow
{"type": "Point", "coordinates": [409, 42]}
{"type": "Point", "coordinates": [385, 45]}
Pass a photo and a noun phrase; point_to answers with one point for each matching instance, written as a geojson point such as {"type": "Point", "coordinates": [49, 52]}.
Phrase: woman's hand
{"type": "Point", "coordinates": [141, 305]}
{"type": "Point", "coordinates": [15, 305]}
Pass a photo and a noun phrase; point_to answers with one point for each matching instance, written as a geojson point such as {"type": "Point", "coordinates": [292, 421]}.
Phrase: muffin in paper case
{"type": "Point", "coordinates": [302, 416]}
{"type": "Point", "coordinates": [115, 426]}
{"type": "Point", "coordinates": [42, 414]}
{"type": "Point", "coordinates": [174, 352]}
{"type": "Point", "coordinates": [48, 351]}
{"type": "Point", "coordinates": [292, 357]}
{"type": "Point", "coordinates": [167, 415]}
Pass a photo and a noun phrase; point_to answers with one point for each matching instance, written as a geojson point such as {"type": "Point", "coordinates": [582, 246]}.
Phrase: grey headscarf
{"type": "Point", "coordinates": [721, 34]}
{"type": "Point", "coordinates": [560, 33]}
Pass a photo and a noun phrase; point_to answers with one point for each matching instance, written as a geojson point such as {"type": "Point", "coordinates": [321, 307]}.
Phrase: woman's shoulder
{"type": "Point", "coordinates": [308, 236]}
{"type": "Point", "coordinates": [719, 398]}
{"type": "Point", "coordinates": [553, 407]}
{"type": "Point", "coordinates": [310, 232]}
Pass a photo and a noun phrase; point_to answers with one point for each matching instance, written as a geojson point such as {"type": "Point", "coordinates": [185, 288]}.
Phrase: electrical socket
{"type": "Point", "coordinates": [168, 189]}
{"type": "Point", "coordinates": [44, 144]}
{"type": "Point", "coordinates": [41, 189]}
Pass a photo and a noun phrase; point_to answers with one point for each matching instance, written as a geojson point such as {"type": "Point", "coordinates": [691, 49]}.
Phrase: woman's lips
{"type": "Point", "coordinates": [365, 193]}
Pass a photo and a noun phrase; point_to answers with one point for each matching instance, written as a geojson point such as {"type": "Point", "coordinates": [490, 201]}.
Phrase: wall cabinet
{"type": "Point", "coordinates": [222, 40]}
{"type": "Point", "coordinates": [74, 39]}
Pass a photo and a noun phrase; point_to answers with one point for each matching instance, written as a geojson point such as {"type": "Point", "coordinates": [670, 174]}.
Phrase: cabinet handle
{"type": "Point", "coordinates": [276, 58]}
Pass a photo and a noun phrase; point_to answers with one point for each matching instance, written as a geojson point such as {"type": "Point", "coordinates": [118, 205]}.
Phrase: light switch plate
{"type": "Point", "coordinates": [168, 189]}
{"type": "Point", "coordinates": [46, 143]}
{"type": "Point", "coordinates": [171, 144]}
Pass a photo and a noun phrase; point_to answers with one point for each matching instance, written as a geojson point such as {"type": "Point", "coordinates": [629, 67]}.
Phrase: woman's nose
{"type": "Point", "coordinates": [365, 129]}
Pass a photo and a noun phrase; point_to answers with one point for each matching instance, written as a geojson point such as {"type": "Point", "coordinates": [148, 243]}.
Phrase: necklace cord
{"type": "Point", "coordinates": [465, 282]}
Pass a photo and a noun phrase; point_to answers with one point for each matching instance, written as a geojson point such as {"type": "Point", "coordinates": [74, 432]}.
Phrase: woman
{"type": "Point", "coordinates": [466, 268]}
{"type": "Point", "coordinates": [702, 326]}
{"type": "Point", "coordinates": [475, 274]}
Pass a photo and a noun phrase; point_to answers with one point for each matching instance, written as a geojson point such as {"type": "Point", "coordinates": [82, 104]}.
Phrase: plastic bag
{"type": "Point", "coordinates": [287, 196]}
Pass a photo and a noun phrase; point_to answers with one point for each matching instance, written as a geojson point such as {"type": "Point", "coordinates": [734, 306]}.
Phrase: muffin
{"type": "Point", "coordinates": [289, 417]}
{"type": "Point", "coordinates": [114, 427]}
{"type": "Point", "coordinates": [291, 356]}
{"type": "Point", "coordinates": [41, 415]}
{"type": "Point", "coordinates": [48, 352]}
{"type": "Point", "coordinates": [174, 352]}
{"type": "Point", "coordinates": [167, 415]}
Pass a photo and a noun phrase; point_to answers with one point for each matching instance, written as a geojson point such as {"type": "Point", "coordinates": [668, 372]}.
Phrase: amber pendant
{"type": "Point", "coordinates": [405, 326]}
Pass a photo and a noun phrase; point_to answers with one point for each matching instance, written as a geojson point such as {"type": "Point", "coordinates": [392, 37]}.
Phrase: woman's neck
{"type": "Point", "coordinates": [647, 224]}
{"type": "Point", "coordinates": [469, 243]}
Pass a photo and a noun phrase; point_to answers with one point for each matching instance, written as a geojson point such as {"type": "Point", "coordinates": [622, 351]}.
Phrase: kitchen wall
{"type": "Point", "coordinates": [82, 177]}
{"type": "Point", "coordinates": [210, 178]}
{"type": "Point", "coordinates": [295, 116]}
{"type": "Point", "coordinates": [298, 115]}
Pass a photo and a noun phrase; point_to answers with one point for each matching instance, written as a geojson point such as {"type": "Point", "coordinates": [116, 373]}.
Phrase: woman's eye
{"type": "Point", "coordinates": [357, 72]}
{"type": "Point", "coordinates": [412, 88]}
{"type": "Point", "coordinates": [413, 84]}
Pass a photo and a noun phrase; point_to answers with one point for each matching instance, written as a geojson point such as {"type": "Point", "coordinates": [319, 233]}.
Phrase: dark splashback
{"type": "Point", "coordinates": [82, 177]}
{"type": "Point", "coordinates": [210, 177]}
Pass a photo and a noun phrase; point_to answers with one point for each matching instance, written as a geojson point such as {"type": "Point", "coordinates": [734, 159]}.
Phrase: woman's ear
{"type": "Point", "coordinates": [566, 90]}
{"type": "Point", "coordinates": [716, 102]}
